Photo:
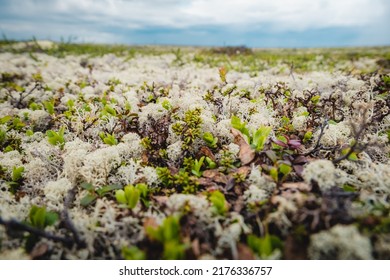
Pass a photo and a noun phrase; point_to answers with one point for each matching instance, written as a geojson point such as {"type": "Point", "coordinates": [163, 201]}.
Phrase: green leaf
{"type": "Point", "coordinates": [308, 135]}
{"type": "Point", "coordinates": [50, 218]}
{"type": "Point", "coordinates": [49, 106]}
{"type": "Point", "coordinates": [285, 169]}
{"type": "Point", "coordinates": [133, 253]}
{"type": "Point", "coordinates": [260, 137]}
{"type": "Point", "coordinates": [132, 196]}
{"type": "Point", "coordinates": [173, 250]}
{"type": "Point", "coordinates": [219, 202]}
{"type": "Point", "coordinates": [264, 246]}
{"type": "Point", "coordinates": [110, 110]}
{"type": "Point", "coordinates": [349, 188]}
{"type": "Point", "coordinates": [143, 189]}
{"type": "Point", "coordinates": [87, 186]}
{"type": "Point", "coordinates": [5, 119]}
{"type": "Point", "coordinates": [32, 212]}
{"type": "Point", "coordinates": [88, 199]}
{"type": "Point", "coordinates": [29, 132]}
{"type": "Point", "coordinates": [17, 173]}
{"type": "Point", "coordinates": [50, 133]}
{"type": "Point", "coordinates": [38, 217]}
{"type": "Point", "coordinates": [170, 229]}
{"type": "Point", "coordinates": [120, 196]}
{"type": "Point", "coordinates": [273, 172]}
{"type": "Point", "coordinates": [353, 157]}
{"type": "Point", "coordinates": [210, 163]}
{"type": "Point", "coordinates": [106, 189]}
{"type": "Point", "coordinates": [315, 99]}
{"type": "Point", "coordinates": [3, 136]}
{"type": "Point", "coordinates": [236, 122]}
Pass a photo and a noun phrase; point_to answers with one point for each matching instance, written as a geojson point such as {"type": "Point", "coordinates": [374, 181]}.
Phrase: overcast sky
{"type": "Point", "coordinates": [254, 23]}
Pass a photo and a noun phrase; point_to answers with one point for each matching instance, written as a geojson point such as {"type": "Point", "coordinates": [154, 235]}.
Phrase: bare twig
{"type": "Point", "coordinates": [357, 133]}
{"type": "Point", "coordinates": [318, 146]}
{"type": "Point", "coordinates": [19, 226]}
{"type": "Point", "coordinates": [68, 222]}
{"type": "Point", "coordinates": [22, 96]}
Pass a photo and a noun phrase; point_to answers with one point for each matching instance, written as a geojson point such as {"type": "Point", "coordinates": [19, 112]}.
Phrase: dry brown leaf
{"type": "Point", "coordinates": [150, 222]}
{"type": "Point", "coordinates": [215, 175]}
{"type": "Point", "coordinates": [246, 153]}
{"type": "Point", "coordinates": [243, 170]}
{"type": "Point", "coordinates": [195, 247]}
{"type": "Point", "coordinates": [244, 252]}
{"type": "Point", "coordinates": [39, 250]}
{"type": "Point", "coordinates": [300, 186]}
{"type": "Point", "coordinates": [205, 151]}
{"type": "Point", "coordinates": [207, 182]}
{"type": "Point", "coordinates": [239, 204]}
{"type": "Point", "coordinates": [161, 199]}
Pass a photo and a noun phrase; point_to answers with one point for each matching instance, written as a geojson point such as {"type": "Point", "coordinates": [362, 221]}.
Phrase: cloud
{"type": "Point", "coordinates": [86, 17]}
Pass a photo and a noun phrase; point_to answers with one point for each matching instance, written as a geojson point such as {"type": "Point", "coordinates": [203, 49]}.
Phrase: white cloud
{"type": "Point", "coordinates": [131, 20]}
{"type": "Point", "coordinates": [275, 14]}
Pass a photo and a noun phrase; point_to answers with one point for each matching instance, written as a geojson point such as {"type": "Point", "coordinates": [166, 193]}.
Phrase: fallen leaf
{"type": "Point", "coordinates": [243, 170]}
{"type": "Point", "coordinates": [239, 204]}
{"type": "Point", "coordinates": [300, 186]}
{"type": "Point", "coordinates": [195, 247]}
{"type": "Point", "coordinates": [246, 153]}
{"type": "Point", "coordinates": [39, 250]}
{"type": "Point", "coordinates": [207, 182]}
{"type": "Point", "coordinates": [205, 151]}
{"type": "Point", "coordinates": [150, 222]}
{"type": "Point", "coordinates": [244, 252]}
{"type": "Point", "coordinates": [230, 183]}
{"type": "Point", "coordinates": [300, 160]}
{"type": "Point", "coordinates": [215, 175]}
{"type": "Point", "coordinates": [161, 199]}
{"type": "Point", "coordinates": [238, 137]}
{"type": "Point", "coordinates": [298, 169]}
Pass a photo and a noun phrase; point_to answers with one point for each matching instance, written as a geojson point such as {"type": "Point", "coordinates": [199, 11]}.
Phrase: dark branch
{"type": "Point", "coordinates": [68, 222]}
{"type": "Point", "coordinates": [19, 226]}
{"type": "Point", "coordinates": [318, 146]}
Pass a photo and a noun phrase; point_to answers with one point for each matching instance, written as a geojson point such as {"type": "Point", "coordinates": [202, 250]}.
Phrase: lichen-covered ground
{"type": "Point", "coordinates": [111, 152]}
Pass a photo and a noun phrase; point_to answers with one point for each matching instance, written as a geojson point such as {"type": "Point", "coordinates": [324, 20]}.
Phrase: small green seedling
{"type": "Point", "coordinates": [49, 106]}
{"type": "Point", "coordinates": [352, 156]}
{"type": "Point", "coordinates": [264, 246]}
{"type": "Point", "coordinates": [308, 136]}
{"type": "Point", "coordinates": [16, 179]}
{"type": "Point", "coordinates": [280, 172]}
{"type": "Point", "coordinates": [56, 138]}
{"type": "Point", "coordinates": [240, 126]}
{"type": "Point", "coordinates": [3, 136]}
{"type": "Point", "coordinates": [219, 203]}
{"type": "Point", "coordinates": [166, 105]}
{"type": "Point", "coordinates": [130, 195]}
{"type": "Point", "coordinates": [210, 163]}
{"type": "Point", "coordinates": [210, 140]}
{"type": "Point", "coordinates": [108, 111]}
{"type": "Point", "coordinates": [259, 138]}
{"type": "Point", "coordinates": [108, 139]}
{"type": "Point", "coordinates": [168, 233]}
{"type": "Point", "coordinates": [133, 253]}
{"type": "Point", "coordinates": [197, 166]}
{"type": "Point", "coordinates": [222, 74]}
{"type": "Point", "coordinates": [39, 218]}
{"type": "Point", "coordinates": [95, 193]}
